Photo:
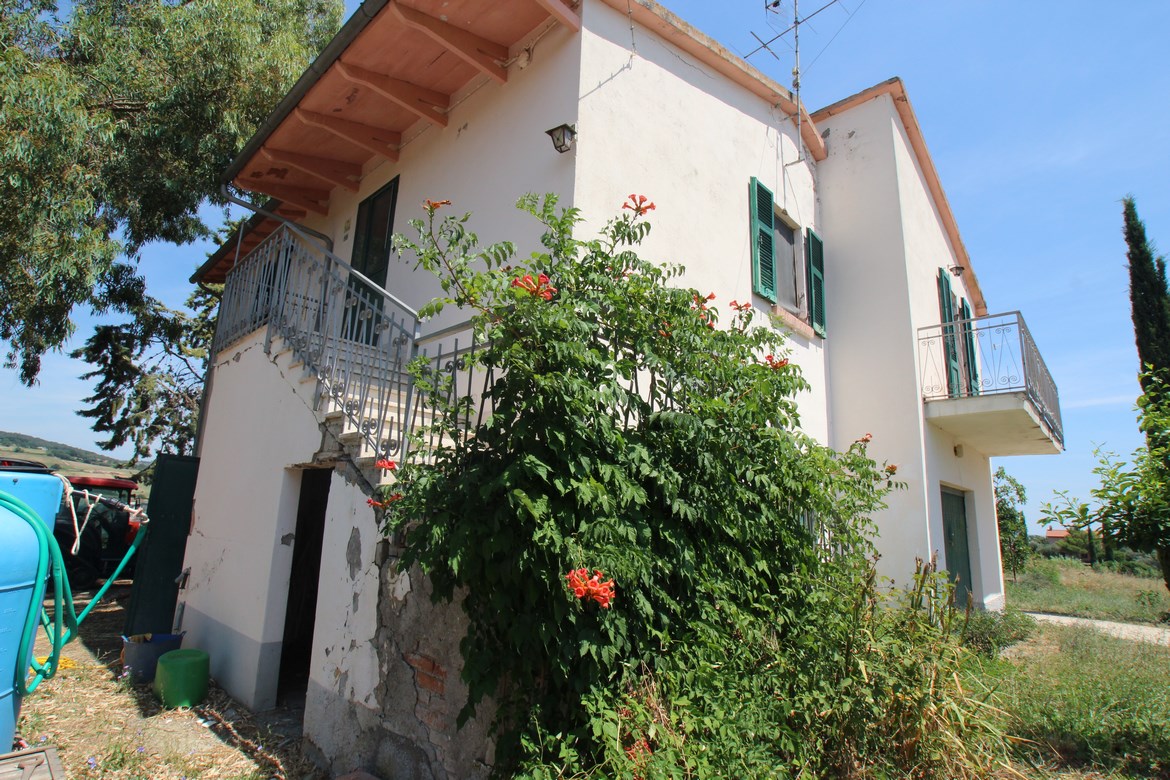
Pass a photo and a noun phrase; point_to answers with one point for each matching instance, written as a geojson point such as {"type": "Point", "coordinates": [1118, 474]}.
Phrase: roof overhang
{"type": "Point", "coordinates": [897, 92]}
{"type": "Point", "coordinates": [394, 68]}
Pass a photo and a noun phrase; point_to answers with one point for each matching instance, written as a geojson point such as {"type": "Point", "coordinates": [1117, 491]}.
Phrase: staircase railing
{"type": "Point", "coordinates": [355, 337]}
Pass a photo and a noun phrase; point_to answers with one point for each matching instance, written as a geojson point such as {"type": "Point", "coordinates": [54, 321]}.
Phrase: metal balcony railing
{"type": "Point", "coordinates": [987, 356]}
{"type": "Point", "coordinates": [356, 337]}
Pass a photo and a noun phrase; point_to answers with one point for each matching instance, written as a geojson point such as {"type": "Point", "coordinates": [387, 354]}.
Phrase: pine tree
{"type": "Point", "coordinates": [1148, 295]}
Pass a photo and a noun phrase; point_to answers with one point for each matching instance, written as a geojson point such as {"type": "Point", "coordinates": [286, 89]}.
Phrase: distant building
{"type": "Point", "coordinates": [1056, 533]}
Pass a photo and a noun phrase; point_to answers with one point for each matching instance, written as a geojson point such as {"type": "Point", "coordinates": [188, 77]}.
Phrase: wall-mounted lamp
{"type": "Point", "coordinates": [563, 137]}
{"type": "Point", "coordinates": [957, 270]}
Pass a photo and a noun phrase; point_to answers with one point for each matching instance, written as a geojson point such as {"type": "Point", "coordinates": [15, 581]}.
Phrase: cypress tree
{"type": "Point", "coordinates": [1148, 295]}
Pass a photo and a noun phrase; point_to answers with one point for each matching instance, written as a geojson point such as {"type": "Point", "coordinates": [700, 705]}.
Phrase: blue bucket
{"type": "Point", "coordinates": [140, 655]}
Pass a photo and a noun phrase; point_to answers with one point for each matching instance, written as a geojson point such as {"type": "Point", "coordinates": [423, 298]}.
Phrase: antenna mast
{"type": "Point", "coordinates": [773, 6]}
{"type": "Point", "coordinates": [796, 79]}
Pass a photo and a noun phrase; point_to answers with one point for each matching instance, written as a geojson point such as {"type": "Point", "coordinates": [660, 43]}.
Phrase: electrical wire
{"type": "Point", "coordinates": [830, 43]}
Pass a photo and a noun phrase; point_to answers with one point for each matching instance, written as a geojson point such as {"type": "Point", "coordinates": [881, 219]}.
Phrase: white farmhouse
{"type": "Point", "coordinates": [835, 222]}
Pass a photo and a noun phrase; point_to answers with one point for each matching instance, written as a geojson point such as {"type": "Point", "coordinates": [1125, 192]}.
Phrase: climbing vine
{"type": "Point", "coordinates": [640, 504]}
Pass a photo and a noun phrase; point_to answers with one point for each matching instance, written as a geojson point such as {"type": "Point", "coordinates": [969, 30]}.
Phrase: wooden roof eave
{"type": "Point", "coordinates": [305, 173]}
{"type": "Point", "coordinates": [314, 173]}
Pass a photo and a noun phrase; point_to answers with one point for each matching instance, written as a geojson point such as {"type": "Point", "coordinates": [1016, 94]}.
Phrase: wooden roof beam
{"type": "Point", "coordinates": [478, 52]}
{"type": "Point", "coordinates": [336, 172]}
{"type": "Point", "coordinates": [424, 103]}
{"type": "Point", "coordinates": [383, 143]}
{"type": "Point", "coordinates": [306, 197]}
{"type": "Point", "coordinates": [562, 13]}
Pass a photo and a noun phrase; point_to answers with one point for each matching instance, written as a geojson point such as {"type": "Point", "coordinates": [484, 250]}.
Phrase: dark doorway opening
{"type": "Point", "coordinates": [305, 575]}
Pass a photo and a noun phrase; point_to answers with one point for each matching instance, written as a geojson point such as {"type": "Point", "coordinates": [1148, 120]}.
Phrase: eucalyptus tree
{"type": "Point", "coordinates": [116, 119]}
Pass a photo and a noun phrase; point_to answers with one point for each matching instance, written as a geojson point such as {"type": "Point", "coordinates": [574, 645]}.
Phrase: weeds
{"type": "Point", "coordinates": [1078, 698]}
{"type": "Point", "coordinates": [872, 692]}
{"type": "Point", "coordinates": [988, 633]}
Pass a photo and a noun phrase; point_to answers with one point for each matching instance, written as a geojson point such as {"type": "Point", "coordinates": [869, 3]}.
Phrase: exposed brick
{"type": "Point", "coordinates": [430, 682]}
{"type": "Point", "coordinates": [424, 663]}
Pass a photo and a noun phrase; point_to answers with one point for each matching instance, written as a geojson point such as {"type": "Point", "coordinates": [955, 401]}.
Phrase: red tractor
{"type": "Point", "coordinates": [107, 535]}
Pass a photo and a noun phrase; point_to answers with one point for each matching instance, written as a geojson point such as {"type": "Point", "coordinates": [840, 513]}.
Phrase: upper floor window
{"type": "Point", "coordinates": [785, 270]}
{"type": "Point", "coordinates": [959, 349]}
{"type": "Point", "coordinates": [375, 226]}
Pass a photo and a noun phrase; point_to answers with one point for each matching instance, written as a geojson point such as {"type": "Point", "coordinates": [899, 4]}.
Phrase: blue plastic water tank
{"type": "Point", "coordinates": [42, 492]}
{"type": "Point", "coordinates": [19, 587]}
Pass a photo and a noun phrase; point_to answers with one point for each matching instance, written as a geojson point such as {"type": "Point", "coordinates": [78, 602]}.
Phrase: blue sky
{"type": "Point", "coordinates": [1040, 117]}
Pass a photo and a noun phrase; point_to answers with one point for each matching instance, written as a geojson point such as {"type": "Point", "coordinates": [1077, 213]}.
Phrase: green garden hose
{"type": "Point", "coordinates": [61, 628]}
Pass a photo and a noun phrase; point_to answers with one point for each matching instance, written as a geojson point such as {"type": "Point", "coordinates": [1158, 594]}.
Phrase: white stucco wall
{"type": "Point", "coordinates": [889, 242]}
{"type": "Point", "coordinates": [871, 350]}
{"type": "Point", "coordinates": [658, 123]}
{"type": "Point", "coordinates": [928, 249]}
{"type": "Point", "coordinates": [257, 427]}
{"type": "Point", "coordinates": [493, 151]}
{"type": "Point", "coordinates": [344, 656]}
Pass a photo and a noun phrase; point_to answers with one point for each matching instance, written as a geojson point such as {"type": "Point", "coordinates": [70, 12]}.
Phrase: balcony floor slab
{"type": "Point", "coordinates": [995, 425]}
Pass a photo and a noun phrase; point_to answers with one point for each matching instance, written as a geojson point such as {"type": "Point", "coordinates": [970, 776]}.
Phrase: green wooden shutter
{"type": "Point", "coordinates": [946, 310]}
{"type": "Point", "coordinates": [815, 275]}
{"type": "Point", "coordinates": [972, 372]}
{"type": "Point", "coordinates": [763, 241]}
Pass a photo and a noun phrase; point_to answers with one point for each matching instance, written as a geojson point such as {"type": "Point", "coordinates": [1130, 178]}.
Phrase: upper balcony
{"type": "Point", "coordinates": [984, 382]}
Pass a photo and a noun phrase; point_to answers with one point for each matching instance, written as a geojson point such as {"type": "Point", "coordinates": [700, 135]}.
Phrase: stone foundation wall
{"type": "Point", "coordinates": [410, 730]}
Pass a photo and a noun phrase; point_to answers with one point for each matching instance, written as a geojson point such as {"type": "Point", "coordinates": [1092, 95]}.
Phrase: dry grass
{"type": "Point", "coordinates": [1066, 587]}
{"type": "Point", "coordinates": [104, 727]}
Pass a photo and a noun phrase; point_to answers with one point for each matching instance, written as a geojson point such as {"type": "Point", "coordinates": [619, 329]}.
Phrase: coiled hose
{"type": "Point", "coordinates": [61, 628]}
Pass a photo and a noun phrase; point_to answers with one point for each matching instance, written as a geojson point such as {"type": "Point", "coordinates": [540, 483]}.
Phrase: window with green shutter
{"type": "Point", "coordinates": [970, 356]}
{"type": "Point", "coordinates": [786, 271]}
{"type": "Point", "coordinates": [763, 241]}
{"type": "Point", "coordinates": [815, 273]}
{"type": "Point", "coordinates": [946, 310]}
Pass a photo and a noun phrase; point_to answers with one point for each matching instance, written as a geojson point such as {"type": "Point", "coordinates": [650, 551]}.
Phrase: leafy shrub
{"type": "Point", "coordinates": [1043, 573]}
{"type": "Point", "coordinates": [743, 633]}
{"type": "Point", "coordinates": [874, 693]}
{"type": "Point", "coordinates": [1135, 565]}
{"type": "Point", "coordinates": [988, 632]}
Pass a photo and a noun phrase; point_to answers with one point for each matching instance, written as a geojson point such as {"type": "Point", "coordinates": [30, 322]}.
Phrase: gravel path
{"type": "Point", "coordinates": [1154, 635]}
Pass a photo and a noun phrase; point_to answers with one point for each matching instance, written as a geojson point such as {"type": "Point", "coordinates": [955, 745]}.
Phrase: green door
{"type": "Point", "coordinates": [955, 546]}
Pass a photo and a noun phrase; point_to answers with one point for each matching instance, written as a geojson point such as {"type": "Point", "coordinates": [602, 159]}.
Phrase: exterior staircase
{"type": "Point", "coordinates": [354, 351]}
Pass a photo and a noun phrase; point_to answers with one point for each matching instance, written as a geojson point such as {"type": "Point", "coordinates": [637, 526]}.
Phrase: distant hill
{"type": "Point", "coordinates": [32, 448]}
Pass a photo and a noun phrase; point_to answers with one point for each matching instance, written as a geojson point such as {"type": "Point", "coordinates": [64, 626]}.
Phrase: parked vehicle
{"type": "Point", "coordinates": [105, 538]}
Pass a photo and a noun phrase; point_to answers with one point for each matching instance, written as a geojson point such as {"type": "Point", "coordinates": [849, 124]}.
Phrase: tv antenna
{"type": "Point", "coordinates": [773, 6]}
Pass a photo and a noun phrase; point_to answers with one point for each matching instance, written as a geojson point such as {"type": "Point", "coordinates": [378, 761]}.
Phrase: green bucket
{"type": "Point", "coordinates": [180, 679]}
